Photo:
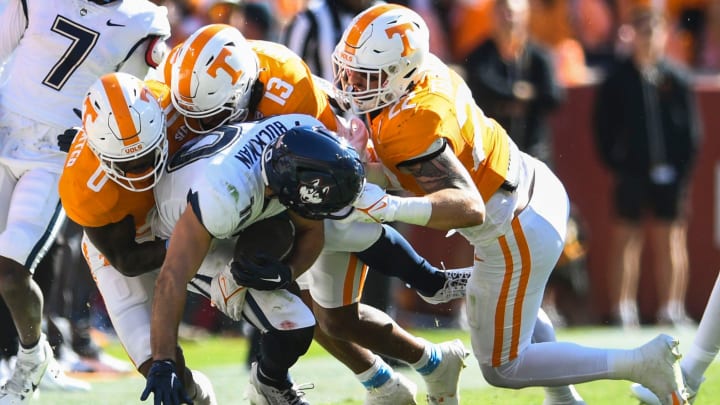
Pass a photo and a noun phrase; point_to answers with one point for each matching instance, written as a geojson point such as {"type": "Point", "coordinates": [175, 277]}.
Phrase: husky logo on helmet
{"type": "Point", "coordinates": [313, 193]}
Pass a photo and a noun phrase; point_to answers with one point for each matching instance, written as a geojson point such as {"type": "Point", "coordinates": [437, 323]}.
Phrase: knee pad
{"type": "Point", "coordinates": [294, 343]}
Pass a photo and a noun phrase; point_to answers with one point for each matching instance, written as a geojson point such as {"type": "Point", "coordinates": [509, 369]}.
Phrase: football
{"type": "Point", "coordinates": [271, 237]}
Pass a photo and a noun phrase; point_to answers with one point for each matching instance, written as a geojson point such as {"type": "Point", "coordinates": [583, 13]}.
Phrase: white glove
{"type": "Point", "coordinates": [226, 295]}
{"type": "Point", "coordinates": [373, 205]}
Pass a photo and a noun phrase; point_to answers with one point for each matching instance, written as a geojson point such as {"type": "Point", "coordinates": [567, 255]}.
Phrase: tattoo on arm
{"type": "Point", "coordinates": [443, 171]}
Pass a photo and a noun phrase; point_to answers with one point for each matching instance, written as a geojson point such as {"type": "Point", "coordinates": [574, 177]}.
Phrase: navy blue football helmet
{"type": "Point", "coordinates": [313, 173]}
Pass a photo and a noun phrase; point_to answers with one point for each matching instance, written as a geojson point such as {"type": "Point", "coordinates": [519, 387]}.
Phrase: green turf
{"type": "Point", "coordinates": [222, 359]}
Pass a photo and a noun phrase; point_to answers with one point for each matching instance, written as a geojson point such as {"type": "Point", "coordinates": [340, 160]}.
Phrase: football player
{"type": "Point", "coordinates": [222, 183]}
{"type": "Point", "coordinates": [217, 76]}
{"type": "Point", "coordinates": [468, 175]}
{"type": "Point", "coordinates": [106, 187]}
{"type": "Point", "coordinates": [52, 52]}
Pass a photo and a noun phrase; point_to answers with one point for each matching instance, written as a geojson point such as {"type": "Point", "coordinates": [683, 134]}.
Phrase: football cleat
{"type": "Point", "coordinates": [398, 390]}
{"type": "Point", "coordinates": [442, 383]}
{"type": "Point", "coordinates": [648, 398]}
{"type": "Point", "coordinates": [263, 394]}
{"type": "Point", "coordinates": [204, 391]}
{"type": "Point", "coordinates": [658, 369]}
{"type": "Point", "coordinates": [455, 285]}
{"type": "Point", "coordinates": [55, 379]}
{"type": "Point", "coordinates": [29, 370]}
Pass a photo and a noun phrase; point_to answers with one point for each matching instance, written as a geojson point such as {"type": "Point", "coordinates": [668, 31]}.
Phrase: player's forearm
{"type": "Point", "coordinates": [309, 243]}
{"type": "Point", "coordinates": [452, 209]}
{"type": "Point", "coordinates": [167, 308]}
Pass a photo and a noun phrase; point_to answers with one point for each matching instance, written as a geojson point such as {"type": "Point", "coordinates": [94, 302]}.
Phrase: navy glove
{"type": "Point", "coordinates": [261, 272]}
{"type": "Point", "coordinates": [65, 139]}
{"type": "Point", "coordinates": [164, 383]}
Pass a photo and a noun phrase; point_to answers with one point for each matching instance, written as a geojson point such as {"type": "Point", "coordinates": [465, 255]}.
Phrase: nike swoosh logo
{"type": "Point", "coordinates": [274, 280]}
{"type": "Point", "coordinates": [112, 24]}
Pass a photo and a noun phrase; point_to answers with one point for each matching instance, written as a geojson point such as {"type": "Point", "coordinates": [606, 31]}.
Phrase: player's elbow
{"type": "Point", "coordinates": [474, 215]}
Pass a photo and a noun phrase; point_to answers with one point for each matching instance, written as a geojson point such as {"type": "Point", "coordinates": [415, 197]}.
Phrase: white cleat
{"type": "Point", "coordinates": [659, 370]}
{"type": "Point", "coordinates": [55, 379]}
{"type": "Point", "coordinates": [204, 391]}
{"type": "Point", "coordinates": [442, 383]}
{"type": "Point", "coordinates": [26, 377]}
{"type": "Point", "coordinates": [398, 390]}
{"type": "Point", "coordinates": [648, 398]}
{"type": "Point", "coordinates": [263, 394]}
{"type": "Point", "coordinates": [454, 288]}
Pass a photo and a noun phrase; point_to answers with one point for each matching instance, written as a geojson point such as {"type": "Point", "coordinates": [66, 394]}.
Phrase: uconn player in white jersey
{"type": "Point", "coordinates": [52, 51]}
{"type": "Point", "coordinates": [218, 185]}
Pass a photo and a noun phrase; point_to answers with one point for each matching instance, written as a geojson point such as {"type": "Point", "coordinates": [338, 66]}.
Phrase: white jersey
{"type": "Point", "coordinates": [219, 175]}
{"type": "Point", "coordinates": [56, 49]}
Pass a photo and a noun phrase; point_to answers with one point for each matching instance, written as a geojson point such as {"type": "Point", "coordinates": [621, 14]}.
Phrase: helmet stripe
{"type": "Point", "coordinates": [352, 40]}
{"type": "Point", "coordinates": [119, 107]}
{"type": "Point", "coordinates": [191, 54]}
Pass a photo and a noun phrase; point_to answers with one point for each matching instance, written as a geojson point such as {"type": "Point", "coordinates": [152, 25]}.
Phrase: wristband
{"type": "Point", "coordinates": [411, 210]}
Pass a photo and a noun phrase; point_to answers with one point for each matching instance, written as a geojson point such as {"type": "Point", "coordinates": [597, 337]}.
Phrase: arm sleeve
{"type": "Point", "coordinates": [13, 22]}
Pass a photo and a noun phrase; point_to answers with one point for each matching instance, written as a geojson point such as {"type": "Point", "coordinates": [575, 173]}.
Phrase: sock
{"type": "Point", "coordinates": [393, 256]}
{"type": "Point", "coordinates": [430, 359]}
{"type": "Point", "coordinates": [34, 350]}
{"type": "Point", "coordinates": [377, 375]}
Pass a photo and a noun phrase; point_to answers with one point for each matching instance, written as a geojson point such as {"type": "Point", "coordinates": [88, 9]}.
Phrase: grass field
{"type": "Point", "coordinates": [222, 360]}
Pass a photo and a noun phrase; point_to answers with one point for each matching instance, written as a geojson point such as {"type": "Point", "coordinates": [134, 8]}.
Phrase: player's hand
{"type": "Point", "coordinates": [164, 383]}
{"type": "Point", "coordinates": [356, 133]}
{"type": "Point", "coordinates": [65, 139]}
{"type": "Point", "coordinates": [372, 206]}
{"type": "Point", "coordinates": [261, 272]}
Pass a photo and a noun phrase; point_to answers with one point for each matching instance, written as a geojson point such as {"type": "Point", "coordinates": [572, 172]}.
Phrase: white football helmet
{"type": "Point", "coordinates": [125, 128]}
{"type": "Point", "coordinates": [387, 44]}
{"type": "Point", "coordinates": [213, 73]}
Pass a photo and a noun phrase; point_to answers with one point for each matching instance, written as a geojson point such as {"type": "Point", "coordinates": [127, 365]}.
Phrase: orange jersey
{"type": "Point", "coordinates": [441, 106]}
{"type": "Point", "coordinates": [288, 84]}
{"type": "Point", "coordinates": [91, 199]}
{"type": "Point", "coordinates": [289, 87]}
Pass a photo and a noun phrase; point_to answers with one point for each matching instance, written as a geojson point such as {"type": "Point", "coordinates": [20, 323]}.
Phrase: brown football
{"type": "Point", "coordinates": [272, 237]}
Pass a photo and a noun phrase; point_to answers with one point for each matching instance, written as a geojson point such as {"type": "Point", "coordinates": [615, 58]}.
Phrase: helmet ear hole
{"type": "Point", "coordinates": [312, 172]}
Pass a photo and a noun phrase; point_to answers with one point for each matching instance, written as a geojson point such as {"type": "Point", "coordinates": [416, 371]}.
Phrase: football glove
{"type": "Point", "coordinates": [164, 383]}
{"type": "Point", "coordinates": [261, 272]}
{"type": "Point", "coordinates": [65, 139]}
{"type": "Point", "coordinates": [226, 295]}
{"type": "Point", "coordinates": [372, 206]}
{"type": "Point", "coordinates": [376, 205]}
